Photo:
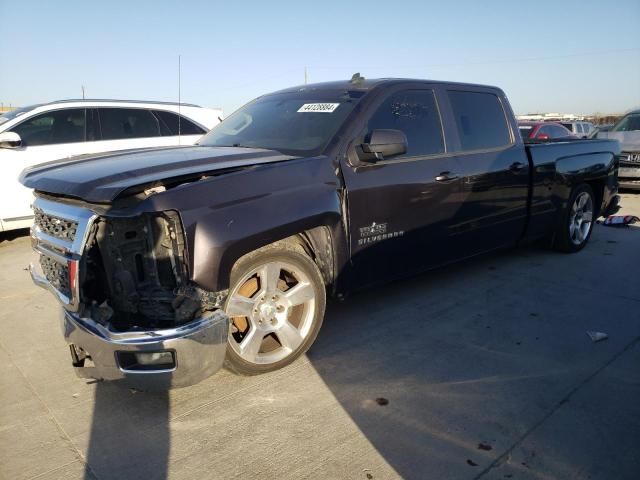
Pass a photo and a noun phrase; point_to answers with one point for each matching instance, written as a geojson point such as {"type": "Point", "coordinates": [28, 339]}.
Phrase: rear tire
{"type": "Point", "coordinates": [276, 304]}
{"type": "Point", "coordinates": [576, 221]}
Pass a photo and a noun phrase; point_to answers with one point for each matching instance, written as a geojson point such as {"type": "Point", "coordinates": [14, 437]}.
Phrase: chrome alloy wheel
{"type": "Point", "coordinates": [580, 218]}
{"type": "Point", "coordinates": [271, 309]}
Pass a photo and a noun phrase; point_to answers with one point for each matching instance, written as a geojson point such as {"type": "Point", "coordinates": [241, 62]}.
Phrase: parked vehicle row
{"type": "Point", "coordinates": [169, 262]}
{"type": "Point", "coordinates": [46, 132]}
{"type": "Point", "coordinates": [626, 131]}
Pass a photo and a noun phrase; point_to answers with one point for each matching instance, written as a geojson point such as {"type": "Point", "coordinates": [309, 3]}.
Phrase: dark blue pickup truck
{"type": "Point", "coordinates": [171, 262]}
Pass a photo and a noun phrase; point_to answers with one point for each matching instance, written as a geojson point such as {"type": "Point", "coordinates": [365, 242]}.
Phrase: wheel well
{"type": "Point", "coordinates": [598, 190]}
{"type": "Point", "coordinates": [318, 245]}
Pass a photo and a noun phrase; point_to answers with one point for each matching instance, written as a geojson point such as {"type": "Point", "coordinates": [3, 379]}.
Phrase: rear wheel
{"type": "Point", "coordinates": [575, 227]}
{"type": "Point", "coordinates": [276, 305]}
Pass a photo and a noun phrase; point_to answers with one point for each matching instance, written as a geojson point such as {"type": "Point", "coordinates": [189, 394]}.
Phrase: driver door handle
{"type": "Point", "coordinates": [446, 177]}
{"type": "Point", "coordinates": [516, 166]}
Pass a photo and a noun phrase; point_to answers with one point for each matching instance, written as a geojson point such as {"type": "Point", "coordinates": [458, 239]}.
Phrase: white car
{"type": "Point", "coordinates": [41, 133]}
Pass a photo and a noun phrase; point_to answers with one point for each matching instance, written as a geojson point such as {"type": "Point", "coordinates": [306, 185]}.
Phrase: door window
{"type": "Point", "coordinates": [415, 113]}
{"type": "Point", "coordinates": [480, 120]}
{"type": "Point", "coordinates": [123, 123]}
{"type": "Point", "coordinates": [169, 124]}
{"type": "Point", "coordinates": [59, 126]}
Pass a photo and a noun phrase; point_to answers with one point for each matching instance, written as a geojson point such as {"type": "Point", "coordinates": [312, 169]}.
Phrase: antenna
{"type": "Point", "coordinates": [305, 75]}
{"type": "Point", "coordinates": [179, 86]}
{"type": "Point", "coordinates": [82, 86]}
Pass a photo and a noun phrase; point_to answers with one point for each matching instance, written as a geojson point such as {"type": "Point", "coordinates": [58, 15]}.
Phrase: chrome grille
{"type": "Point", "coordinates": [56, 273]}
{"type": "Point", "coordinates": [631, 157]}
{"type": "Point", "coordinates": [55, 226]}
{"type": "Point", "coordinates": [58, 235]}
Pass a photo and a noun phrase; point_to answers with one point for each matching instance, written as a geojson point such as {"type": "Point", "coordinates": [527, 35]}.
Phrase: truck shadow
{"type": "Point", "coordinates": [396, 364]}
{"type": "Point", "coordinates": [6, 237]}
{"type": "Point", "coordinates": [129, 436]}
{"type": "Point", "coordinates": [439, 371]}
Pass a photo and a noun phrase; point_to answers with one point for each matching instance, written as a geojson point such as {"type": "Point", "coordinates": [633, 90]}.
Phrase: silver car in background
{"type": "Point", "coordinates": [627, 132]}
{"type": "Point", "coordinates": [579, 129]}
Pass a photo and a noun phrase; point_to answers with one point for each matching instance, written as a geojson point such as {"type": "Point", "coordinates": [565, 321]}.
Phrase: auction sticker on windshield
{"type": "Point", "coordinates": [318, 107]}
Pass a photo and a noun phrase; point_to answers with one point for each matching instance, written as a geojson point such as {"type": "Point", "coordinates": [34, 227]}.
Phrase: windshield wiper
{"type": "Point", "coordinates": [239, 145]}
{"type": "Point", "coordinates": [235, 145]}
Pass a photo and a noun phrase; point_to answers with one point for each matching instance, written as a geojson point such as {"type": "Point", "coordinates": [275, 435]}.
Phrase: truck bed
{"type": "Point", "coordinates": [556, 166]}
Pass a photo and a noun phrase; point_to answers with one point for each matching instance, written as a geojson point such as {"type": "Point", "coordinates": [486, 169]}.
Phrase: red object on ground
{"type": "Point", "coordinates": [614, 220]}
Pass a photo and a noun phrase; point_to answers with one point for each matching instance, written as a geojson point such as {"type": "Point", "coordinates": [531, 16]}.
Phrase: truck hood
{"type": "Point", "coordinates": [629, 141]}
{"type": "Point", "coordinates": [101, 178]}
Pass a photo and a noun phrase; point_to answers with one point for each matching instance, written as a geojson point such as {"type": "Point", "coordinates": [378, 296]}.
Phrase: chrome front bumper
{"type": "Point", "coordinates": [198, 347]}
{"type": "Point", "coordinates": [629, 172]}
{"type": "Point", "coordinates": [629, 176]}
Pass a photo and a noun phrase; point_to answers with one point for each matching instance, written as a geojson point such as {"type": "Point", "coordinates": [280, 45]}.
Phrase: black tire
{"type": "Point", "coordinates": [281, 253]}
{"type": "Point", "coordinates": [564, 238]}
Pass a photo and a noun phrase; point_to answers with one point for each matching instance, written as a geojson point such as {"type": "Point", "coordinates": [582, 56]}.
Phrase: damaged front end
{"type": "Point", "coordinates": [130, 313]}
{"type": "Point", "coordinates": [135, 274]}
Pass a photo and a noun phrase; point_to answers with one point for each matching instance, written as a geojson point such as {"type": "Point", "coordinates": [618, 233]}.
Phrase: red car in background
{"type": "Point", "coordinates": [542, 131]}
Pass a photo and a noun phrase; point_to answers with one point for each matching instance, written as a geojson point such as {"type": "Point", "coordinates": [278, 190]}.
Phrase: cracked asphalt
{"type": "Point", "coordinates": [483, 370]}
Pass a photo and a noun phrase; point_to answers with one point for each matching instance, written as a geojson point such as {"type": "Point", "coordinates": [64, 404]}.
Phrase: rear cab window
{"type": "Point", "coordinates": [480, 120]}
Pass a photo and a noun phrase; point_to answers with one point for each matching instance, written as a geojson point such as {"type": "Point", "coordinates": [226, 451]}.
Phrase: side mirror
{"type": "Point", "coordinates": [543, 136]}
{"type": "Point", "coordinates": [383, 144]}
{"type": "Point", "coordinates": [10, 140]}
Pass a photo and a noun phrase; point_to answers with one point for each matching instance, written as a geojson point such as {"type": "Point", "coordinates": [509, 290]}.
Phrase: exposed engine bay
{"type": "Point", "coordinates": [135, 274]}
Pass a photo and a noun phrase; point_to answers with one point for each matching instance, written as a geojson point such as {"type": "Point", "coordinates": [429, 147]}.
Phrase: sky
{"type": "Point", "coordinates": [548, 56]}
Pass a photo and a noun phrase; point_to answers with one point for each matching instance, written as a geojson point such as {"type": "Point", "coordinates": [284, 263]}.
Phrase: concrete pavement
{"type": "Point", "coordinates": [486, 367]}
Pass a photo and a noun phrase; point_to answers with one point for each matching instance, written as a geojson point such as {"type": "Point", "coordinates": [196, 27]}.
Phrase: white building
{"type": "Point", "coordinates": [550, 117]}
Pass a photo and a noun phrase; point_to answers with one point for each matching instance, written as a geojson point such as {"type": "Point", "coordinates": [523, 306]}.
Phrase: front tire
{"type": "Point", "coordinates": [576, 222]}
{"type": "Point", "coordinates": [276, 305]}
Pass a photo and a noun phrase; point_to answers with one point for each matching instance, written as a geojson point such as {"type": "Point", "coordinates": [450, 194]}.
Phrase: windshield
{"type": "Point", "coordinates": [293, 123]}
{"type": "Point", "coordinates": [6, 116]}
{"type": "Point", "coordinates": [629, 123]}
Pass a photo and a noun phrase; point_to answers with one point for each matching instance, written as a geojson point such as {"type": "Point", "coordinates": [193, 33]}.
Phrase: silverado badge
{"type": "Point", "coordinates": [376, 232]}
